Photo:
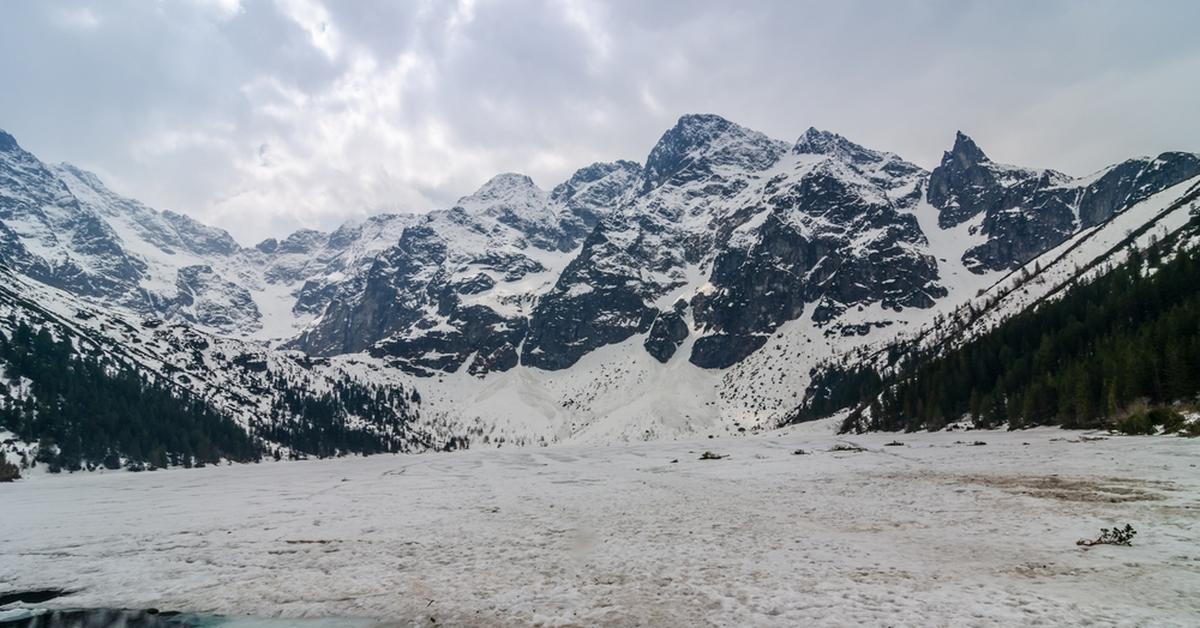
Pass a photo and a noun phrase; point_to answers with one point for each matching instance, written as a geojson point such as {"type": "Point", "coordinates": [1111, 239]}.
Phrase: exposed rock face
{"type": "Point", "coordinates": [591, 305]}
{"type": "Point", "coordinates": [668, 331]}
{"type": "Point", "coordinates": [396, 292]}
{"type": "Point", "coordinates": [965, 184]}
{"type": "Point", "coordinates": [1025, 212]}
{"type": "Point", "coordinates": [593, 192]}
{"type": "Point", "coordinates": [1132, 181]}
{"type": "Point", "coordinates": [831, 231]}
{"type": "Point", "coordinates": [205, 297]}
{"type": "Point", "coordinates": [462, 282]}
{"type": "Point", "coordinates": [643, 252]}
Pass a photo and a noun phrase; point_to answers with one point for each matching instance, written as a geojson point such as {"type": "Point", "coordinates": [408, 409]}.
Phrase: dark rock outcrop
{"type": "Point", "coordinates": [667, 332]}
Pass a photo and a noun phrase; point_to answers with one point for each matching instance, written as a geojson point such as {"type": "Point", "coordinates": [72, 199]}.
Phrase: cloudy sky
{"type": "Point", "coordinates": [264, 116]}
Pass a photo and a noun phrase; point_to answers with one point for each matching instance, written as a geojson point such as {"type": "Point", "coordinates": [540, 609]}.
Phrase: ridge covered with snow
{"type": "Point", "coordinates": [689, 295]}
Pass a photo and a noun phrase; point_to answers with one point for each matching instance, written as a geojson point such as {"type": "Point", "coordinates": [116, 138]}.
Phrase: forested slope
{"type": "Point", "coordinates": [90, 409]}
{"type": "Point", "coordinates": [1103, 353]}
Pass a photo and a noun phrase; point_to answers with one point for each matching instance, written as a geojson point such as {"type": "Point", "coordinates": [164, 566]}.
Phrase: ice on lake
{"type": "Point", "coordinates": [936, 530]}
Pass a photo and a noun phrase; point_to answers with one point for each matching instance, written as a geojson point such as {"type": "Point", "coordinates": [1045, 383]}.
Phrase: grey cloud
{"type": "Point", "coordinates": [265, 116]}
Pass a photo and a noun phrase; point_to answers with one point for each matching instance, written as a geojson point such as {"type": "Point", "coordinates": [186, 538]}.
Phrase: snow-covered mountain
{"type": "Point", "coordinates": [461, 284]}
{"type": "Point", "coordinates": [691, 294]}
{"type": "Point", "coordinates": [60, 225]}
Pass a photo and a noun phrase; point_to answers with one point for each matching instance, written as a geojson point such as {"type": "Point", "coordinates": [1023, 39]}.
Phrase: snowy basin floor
{"type": "Point", "coordinates": [935, 532]}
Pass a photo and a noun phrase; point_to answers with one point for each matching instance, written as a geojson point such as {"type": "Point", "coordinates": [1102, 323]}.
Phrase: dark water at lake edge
{"type": "Point", "coordinates": [117, 618]}
{"type": "Point", "coordinates": [19, 609]}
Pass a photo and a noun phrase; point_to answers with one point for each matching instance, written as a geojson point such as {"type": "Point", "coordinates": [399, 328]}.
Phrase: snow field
{"type": "Point", "coordinates": [934, 532]}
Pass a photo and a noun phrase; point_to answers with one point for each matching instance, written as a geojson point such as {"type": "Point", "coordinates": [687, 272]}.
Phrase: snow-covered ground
{"type": "Point", "coordinates": [934, 532]}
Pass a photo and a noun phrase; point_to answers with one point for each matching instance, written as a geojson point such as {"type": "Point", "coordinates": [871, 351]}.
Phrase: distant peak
{"type": "Point", "coordinates": [698, 129]}
{"type": "Point", "coordinates": [8, 142]}
{"type": "Point", "coordinates": [817, 142]}
{"type": "Point", "coordinates": [702, 120]}
{"type": "Point", "coordinates": [706, 135]}
{"type": "Point", "coordinates": [601, 169]}
{"type": "Point", "coordinates": [505, 183]}
{"type": "Point", "coordinates": [965, 151]}
{"type": "Point", "coordinates": [595, 172]}
{"type": "Point", "coordinates": [505, 189]}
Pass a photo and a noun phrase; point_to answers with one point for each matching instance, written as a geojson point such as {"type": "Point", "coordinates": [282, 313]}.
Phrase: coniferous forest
{"type": "Point", "coordinates": [87, 410]}
{"type": "Point", "coordinates": [380, 414]}
{"type": "Point", "coordinates": [1110, 352]}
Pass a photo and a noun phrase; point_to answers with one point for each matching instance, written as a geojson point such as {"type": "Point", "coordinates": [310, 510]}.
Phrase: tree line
{"type": "Point", "coordinates": [1126, 339]}
{"type": "Point", "coordinates": [91, 410]}
{"type": "Point", "coordinates": [88, 410]}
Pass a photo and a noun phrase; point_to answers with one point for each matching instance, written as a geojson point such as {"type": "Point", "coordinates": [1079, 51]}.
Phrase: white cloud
{"type": "Point", "coordinates": [585, 17]}
{"type": "Point", "coordinates": [222, 9]}
{"type": "Point", "coordinates": [314, 18]}
{"type": "Point", "coordinates": [77, 18]}
{"type": "Point", "coordinates": [267, 116]}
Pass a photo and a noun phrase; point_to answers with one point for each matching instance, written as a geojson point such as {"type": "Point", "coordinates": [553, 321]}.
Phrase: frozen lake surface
{"type": "Point", "coordinates": [934, 532]}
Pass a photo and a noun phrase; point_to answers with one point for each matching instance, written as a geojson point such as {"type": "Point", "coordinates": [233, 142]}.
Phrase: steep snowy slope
{"type": "Point", "coordinates": [1162, 223]}
{"type": "Point", "coordinates": [1167, 214]}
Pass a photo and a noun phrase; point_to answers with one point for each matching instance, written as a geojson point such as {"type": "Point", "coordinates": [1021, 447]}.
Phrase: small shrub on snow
{"type": "Point", "coordinates": [1136, 424]}
{"type": "Point", "coordinates": [8, 470]}
{"type": "Point", "coordinates": [1111, 536]}
{"type": "Point", "coordinates": [1170, 420]}
{"type": "Point", "coordinates": [1148, 421]}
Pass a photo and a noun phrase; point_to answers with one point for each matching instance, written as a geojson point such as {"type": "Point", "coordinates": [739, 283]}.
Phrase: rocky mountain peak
{"type": "Point", "coordinates": [966, 152]}
{"type": "Point", "coordinates": [591, 174]}
{"type": "Point", "coordinates": [8, 142]}
{"type": "Point", "coordinates": [506, 186]}
{"type": "Point", "coordinates": [817, 142]}
{"type": "Point", "coordinates": [509, 194]}
{"type": "Point", "coordinates": [268, 246]}
{"type": "Point", "coordinates": [303, 241]}
{"type": "Point", "coordinates": [701, 141]}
